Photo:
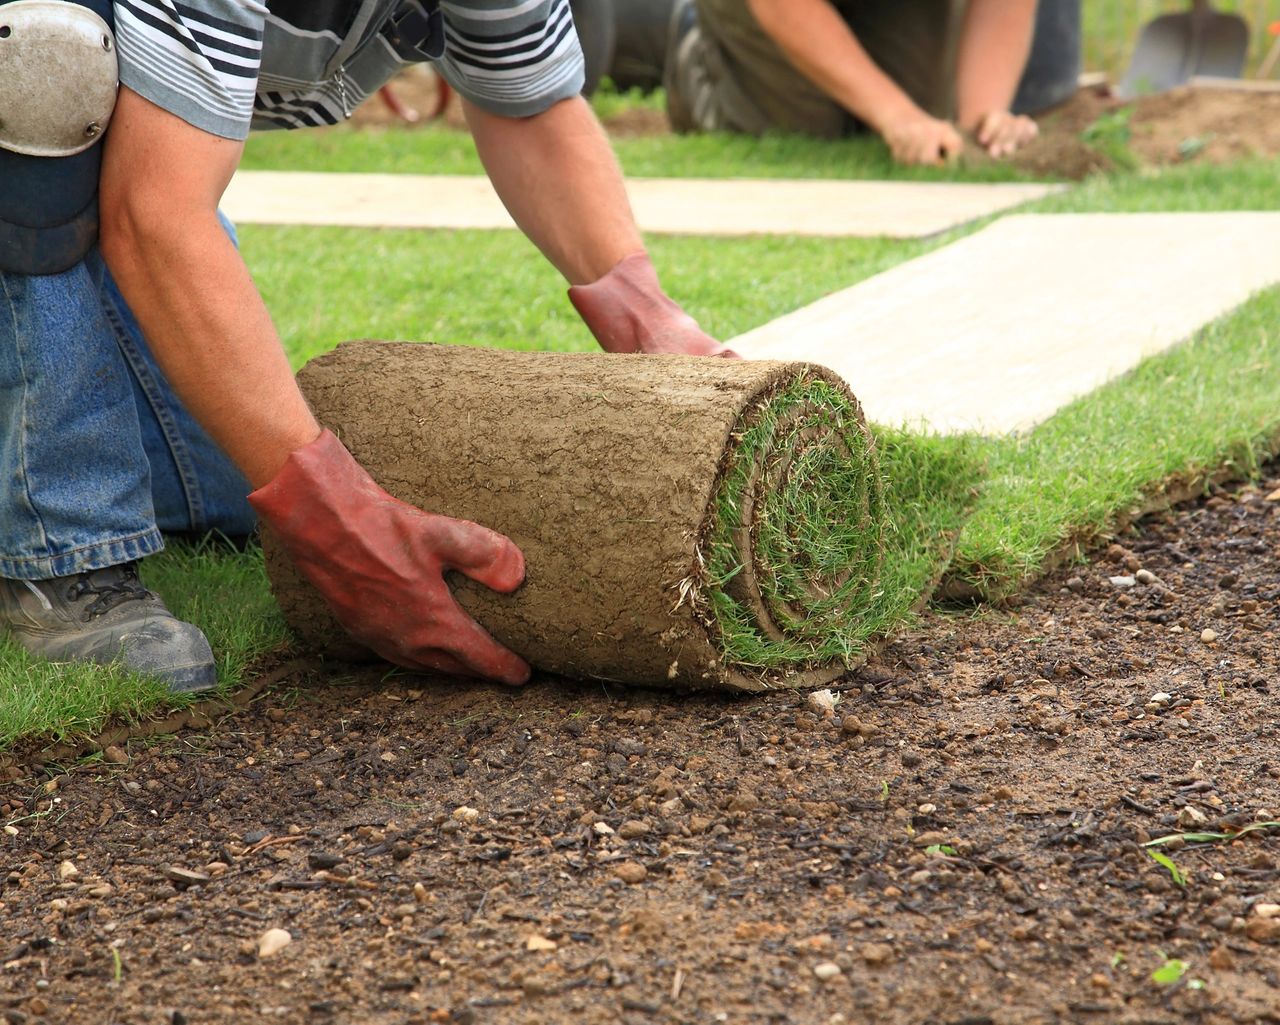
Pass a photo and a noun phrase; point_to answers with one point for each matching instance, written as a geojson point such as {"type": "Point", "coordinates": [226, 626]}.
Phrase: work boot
{"type": "Point", "coordinates": [106, 616]}
{"type": "Point", "coordinates": [682, 31]}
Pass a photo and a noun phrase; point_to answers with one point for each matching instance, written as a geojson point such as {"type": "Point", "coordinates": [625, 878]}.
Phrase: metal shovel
{"type": "Point", "coordinates": [1176, 47]}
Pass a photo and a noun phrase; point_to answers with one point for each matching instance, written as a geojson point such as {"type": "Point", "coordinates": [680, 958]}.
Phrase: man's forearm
{"type": "Point", "coordinates": [211, 334]}
{"type": "Point", "coordinates": [818, 41]}
{"type": "Point", "coordinates": [994, 44]}
{"type": "Point", "coordinates": [558, 177]}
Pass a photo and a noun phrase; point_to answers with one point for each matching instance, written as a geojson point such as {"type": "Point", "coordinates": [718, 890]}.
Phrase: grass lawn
{"type": "Point", "coordinates": [1049, 495]}
{"type": "Point", "coordinates": [441, 150]}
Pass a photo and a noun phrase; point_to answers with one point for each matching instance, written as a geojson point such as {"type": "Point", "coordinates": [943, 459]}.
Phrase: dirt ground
{"type": "Point", "coordinates": [1216, 126]}
{"type": "Point", "coordinates": [960, 842]}
{"type": "Point", "coordinates": [1212, 125]}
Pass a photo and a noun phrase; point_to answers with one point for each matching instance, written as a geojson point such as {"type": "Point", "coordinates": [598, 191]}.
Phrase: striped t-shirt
{"type": "Point", "coordinates": [227, 65]}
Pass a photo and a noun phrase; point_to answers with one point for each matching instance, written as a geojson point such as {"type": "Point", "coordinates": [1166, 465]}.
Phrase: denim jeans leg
{"type": "Point", "coordinates": [195, 487]}
{"type": "Point", "coordinates": [77, 487]}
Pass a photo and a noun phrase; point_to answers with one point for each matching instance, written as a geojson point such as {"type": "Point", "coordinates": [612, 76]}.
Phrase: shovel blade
{"type": "Point", "coordinates": [1174, 48]}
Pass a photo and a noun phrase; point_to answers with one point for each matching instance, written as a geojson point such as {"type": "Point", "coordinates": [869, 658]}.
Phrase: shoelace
{"type": "Point", "coordinates": [112, 586]}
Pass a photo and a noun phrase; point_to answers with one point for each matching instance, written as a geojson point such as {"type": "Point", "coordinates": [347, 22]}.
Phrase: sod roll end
{"type": "Point", "coordinates": [686, 522]}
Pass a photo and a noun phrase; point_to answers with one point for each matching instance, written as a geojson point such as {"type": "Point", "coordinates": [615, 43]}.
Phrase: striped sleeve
{"type": "Point", "coordinates": [513, 59]}
{"type": "Point", "coordinates": [198, 59]}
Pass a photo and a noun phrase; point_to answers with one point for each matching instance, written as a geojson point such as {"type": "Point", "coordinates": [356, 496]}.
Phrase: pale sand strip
{"type": "Point", "coordinates": [677, 206]}
{"type": "Point", "coordinates": [998, 330]}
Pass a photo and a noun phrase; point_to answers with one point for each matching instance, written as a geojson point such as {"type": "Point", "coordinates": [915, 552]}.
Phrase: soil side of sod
{"type": "Point", "coordinates": [962, 841]}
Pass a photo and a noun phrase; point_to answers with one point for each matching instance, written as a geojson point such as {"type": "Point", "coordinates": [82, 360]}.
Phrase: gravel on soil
{"type": "Point", "coordinates": [962, 840]}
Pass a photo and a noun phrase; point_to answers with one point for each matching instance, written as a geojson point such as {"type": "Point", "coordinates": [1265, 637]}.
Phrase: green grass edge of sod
{"type": "Point", "coordinates": [1221, 418]}
{"type": "Point", "coordinates": [844, 530]}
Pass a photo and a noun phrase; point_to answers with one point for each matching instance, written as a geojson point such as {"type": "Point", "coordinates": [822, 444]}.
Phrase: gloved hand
{"type": "Point", "coordinates": [380, 563]}
{"type": "Point", "coordinates": [628, 311]}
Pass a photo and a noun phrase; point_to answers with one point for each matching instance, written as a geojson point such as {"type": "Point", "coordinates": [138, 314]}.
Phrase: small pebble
{"type": "Point", "coordinates": [1208, 635]}
{"type": "Point", "coordinates": [826, 971]}
{"type": "Point", "coordinates": [323, 860]}
{"type": "Point", "coordinates": [67, 871]}
{"type": "Point", "coordinates": [465, 814]}
{"type": "Point", "coordinates": [1267, 910]}
{"type": "Point", "coordinates": [185, 877]}
{"type": "Point", "coordinates": [876, 953]}
{"type": "Point", "coordinates": [633, 829]}
{"type": "Point", "coordinates": [115, 756]}
{"type": "Point", "coordinates": [1122, 582]}
{"type": "Point", "coordinates": [273, 941]}
{"type": "Point", "coordinates": [631, 872]}
{"type": "Point", "coordinates": [1192, 817]}
{"type": "Point", "coordinates": [1145, 576]}
{"type": "Point", "coordinates": [420, 893]}
{"type": "Point", "coordinates": [1221, 960]}
{"type": "Point", "coordinates": [539, 944]}
{"type": "Point", "coordinates": [1263, 930]}
{"type": "Point", "coordinates": [823, 702]}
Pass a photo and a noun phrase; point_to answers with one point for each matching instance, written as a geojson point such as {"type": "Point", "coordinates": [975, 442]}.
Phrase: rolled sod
{"type": "Point", "coordinates": [685, 522]}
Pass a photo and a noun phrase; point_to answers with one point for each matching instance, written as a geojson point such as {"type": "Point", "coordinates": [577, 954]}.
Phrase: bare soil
{"type": "Point", "coordinates": [1217, 126]}
{"type": "Point", "coordinates": [960, 842]}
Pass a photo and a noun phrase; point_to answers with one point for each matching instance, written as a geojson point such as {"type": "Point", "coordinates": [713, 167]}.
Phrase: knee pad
{"type": "Point", "coordinates": [58, 80]}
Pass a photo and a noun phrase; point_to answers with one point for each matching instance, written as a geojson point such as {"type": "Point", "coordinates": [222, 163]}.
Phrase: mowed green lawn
{"type": "Point", "coordinates": [1208, 403]}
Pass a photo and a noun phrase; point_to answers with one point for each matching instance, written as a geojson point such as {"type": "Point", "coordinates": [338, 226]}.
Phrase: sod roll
{"type": "Point", "coordinates": [685, 522]}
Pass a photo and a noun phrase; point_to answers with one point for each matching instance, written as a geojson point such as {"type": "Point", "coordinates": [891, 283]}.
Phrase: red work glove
{"type": "Point", "coordinates": [380, 563]}
{"type": "Point", "coordinates": [627, 311]}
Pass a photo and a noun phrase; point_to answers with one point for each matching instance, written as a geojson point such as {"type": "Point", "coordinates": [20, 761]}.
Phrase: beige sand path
{"type": "Point", "coordinates": [676, 206]}
{"type": "Point", "coordinates": [998, 330]}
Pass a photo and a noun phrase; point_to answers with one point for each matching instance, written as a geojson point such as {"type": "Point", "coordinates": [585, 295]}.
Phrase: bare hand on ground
{"type": "Point", "coordinates": [380, 563]}
{"type": "Point", "coordinates": [923, 140]}
{"type": "Point", "coordinates": [628, 311]}
{"type": "Point", "coordinates": [1001, 133]}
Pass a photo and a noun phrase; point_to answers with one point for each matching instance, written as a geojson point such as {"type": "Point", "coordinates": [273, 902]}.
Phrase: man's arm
{"type": "Point", "coordinates": [818, 41]}
{"type": "Point", "coordinates": [557, 175]}
{"type": "Point", "coordinates": [378, 562]}
{"type": "Point", "coordinates": [994, 44]}
{"type": "Point", "coordinates": [162, 180]}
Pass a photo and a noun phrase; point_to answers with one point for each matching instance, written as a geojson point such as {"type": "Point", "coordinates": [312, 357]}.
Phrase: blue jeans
{"type": "Point", "coordinates": [97, 454]}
